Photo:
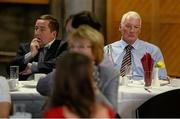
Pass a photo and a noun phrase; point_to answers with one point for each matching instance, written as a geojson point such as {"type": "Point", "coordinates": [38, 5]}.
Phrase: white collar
{"type": "Point", "coordinates": [49, 44]}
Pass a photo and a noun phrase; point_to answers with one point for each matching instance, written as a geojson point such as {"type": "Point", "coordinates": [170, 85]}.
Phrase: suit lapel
{"type": "Point", "coordinates": [51, 52]}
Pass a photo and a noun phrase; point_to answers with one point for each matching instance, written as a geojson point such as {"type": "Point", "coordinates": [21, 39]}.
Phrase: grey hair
{"type": "Point", "coordinates": [130, 14]}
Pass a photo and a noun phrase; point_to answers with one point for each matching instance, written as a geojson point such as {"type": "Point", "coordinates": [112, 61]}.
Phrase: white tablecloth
{"type": "Point", "coordinates": [28, 95]}
{"type": "Point", "coordinates": [130, 97]}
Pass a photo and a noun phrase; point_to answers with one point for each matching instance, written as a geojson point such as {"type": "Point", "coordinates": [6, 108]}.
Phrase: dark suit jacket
{"type": "Point", "coordinates": [49, 61]}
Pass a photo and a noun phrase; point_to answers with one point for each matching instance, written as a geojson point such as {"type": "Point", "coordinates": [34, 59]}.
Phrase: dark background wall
{"type": "Point", "coordinates": [17, 24]}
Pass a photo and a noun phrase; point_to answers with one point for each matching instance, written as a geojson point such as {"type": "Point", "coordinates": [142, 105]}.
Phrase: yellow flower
{"type": "Point", "coordinates": [160, 64]}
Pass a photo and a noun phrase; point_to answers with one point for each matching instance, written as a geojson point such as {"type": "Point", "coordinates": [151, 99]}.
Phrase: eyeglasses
{"type": "Point", "coordinates": [80, 46]}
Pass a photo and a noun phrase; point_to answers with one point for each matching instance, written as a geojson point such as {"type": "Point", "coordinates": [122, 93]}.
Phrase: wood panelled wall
{"type": "Point", "coordinates": [160, 26]}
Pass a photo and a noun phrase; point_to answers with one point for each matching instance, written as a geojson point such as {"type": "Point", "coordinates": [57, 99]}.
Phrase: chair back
{"type": "Point", "coordinates": [164, 105]}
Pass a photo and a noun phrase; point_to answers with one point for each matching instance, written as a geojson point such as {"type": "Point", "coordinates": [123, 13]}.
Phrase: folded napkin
{"type": "Point", "coordinates": [147, 63]}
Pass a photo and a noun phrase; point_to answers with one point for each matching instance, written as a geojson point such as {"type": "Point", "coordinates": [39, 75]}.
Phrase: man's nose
{"type": "Point", "coordinates": [132, 29]}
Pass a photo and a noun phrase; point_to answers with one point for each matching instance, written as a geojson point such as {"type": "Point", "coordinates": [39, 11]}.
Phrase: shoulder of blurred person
{"type": "Point", "coordinates": [109, 82]}
{"type": "Point", "coordinates": [4, 88]}
{"type": "Point", "coordinates": [45, 84]}
{"type": "Point", "coordinates": [107, 66]}
{"type": "Point", "coordinates": [5, 99]}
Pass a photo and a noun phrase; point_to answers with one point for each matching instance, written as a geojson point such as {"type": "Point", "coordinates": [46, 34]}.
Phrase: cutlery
{"type": "Point", "coordinates": [147, 90]}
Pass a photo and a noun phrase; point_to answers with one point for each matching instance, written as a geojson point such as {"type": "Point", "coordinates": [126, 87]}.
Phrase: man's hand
{"type": "Point", "coordinates": [34, 47]}
{"type": "Point", "coordinates": [28, 70]}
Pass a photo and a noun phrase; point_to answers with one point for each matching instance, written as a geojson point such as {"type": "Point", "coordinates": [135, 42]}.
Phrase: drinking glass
{"type": "Point", "coordinates": [20, 112]}
{"type": "Point", "coordinates": [19, 107]}
{"type": "Point", "coordinates": [129, 72]}
{"type": "Point", "coordinates": [147, 78]}
{"type": "Point", "coordinates": [14, 78]}
{"type": "Point", "coordinates": [14, 72]}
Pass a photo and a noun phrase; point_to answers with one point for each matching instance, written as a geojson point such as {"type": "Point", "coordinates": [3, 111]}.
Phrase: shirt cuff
{"type": "Point", "coordinates": [34, 67]}
{"type": "Point", "coordinates": [27, 57]}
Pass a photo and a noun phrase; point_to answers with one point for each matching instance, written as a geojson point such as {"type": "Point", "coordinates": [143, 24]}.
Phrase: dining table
{"type": "Point", "coordinates": [134, 94]}
{"type": "Point", "coordinates": [26, 97]}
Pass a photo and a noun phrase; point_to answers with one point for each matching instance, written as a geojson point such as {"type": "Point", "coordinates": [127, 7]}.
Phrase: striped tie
{"type": "Point", "coordinates": [42, 53]}
{"type": "Point", "coordinates": [126, 60]}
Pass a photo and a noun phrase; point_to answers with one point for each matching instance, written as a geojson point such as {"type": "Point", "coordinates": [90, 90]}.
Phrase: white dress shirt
{"type": "Point", "coordinates": [116, 52]}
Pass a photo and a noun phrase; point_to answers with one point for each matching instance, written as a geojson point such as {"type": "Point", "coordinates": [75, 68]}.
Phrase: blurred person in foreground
{"type": "Point", "coordinates": [130, 28]}
{"type": "Point", "coordinates": [5, 98]}
{"type": "Point", "coordinates": [75, 91]}
{"type": "Point", "coordinates": [39, 55]}
{"type": "Point", "coordinates": [90, 42]}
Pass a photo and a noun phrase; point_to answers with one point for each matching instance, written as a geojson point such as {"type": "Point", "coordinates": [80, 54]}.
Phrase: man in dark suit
{"type": "Point", "coordinates": [40, 54]}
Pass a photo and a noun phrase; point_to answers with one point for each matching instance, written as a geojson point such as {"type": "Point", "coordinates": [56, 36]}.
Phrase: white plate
{"type": "Point", "coordinates": [11, 90]}
{"type": "Point", "coordinates": [140, 83]}
{"type": "Point", "coordinates": [175, 82]}
{"type": "Point", "coordinates": [30, 84]}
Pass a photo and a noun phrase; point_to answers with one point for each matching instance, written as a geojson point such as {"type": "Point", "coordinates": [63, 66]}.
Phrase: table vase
{"type": "Point", "coordinates": [156, 82]}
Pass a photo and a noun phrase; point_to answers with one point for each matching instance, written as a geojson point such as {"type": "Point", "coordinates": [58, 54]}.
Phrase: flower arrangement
{"type": "Point", "coordinates": [159, 64]}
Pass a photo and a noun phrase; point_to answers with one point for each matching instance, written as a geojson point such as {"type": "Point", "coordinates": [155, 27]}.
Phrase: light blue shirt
{"type": "Point", "coordinates": [116, 52]}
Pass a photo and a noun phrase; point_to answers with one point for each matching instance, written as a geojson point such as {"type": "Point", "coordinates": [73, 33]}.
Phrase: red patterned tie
{"type": "Point", "coordinates": [126, 60]}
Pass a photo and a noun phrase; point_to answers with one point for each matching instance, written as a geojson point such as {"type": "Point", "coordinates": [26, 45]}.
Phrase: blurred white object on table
{"type": "Point", "coordinates": [175, 82]}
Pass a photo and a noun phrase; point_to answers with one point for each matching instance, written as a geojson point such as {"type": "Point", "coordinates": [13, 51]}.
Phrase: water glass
{"type": "Point", "coordinates": [128, 72]}
{"type": "Point", "coordinates": [19, 107]}
{"type": "Point", "coordinates": [14, 72]}
{"type": "Point", "coordinates": [20, 112]}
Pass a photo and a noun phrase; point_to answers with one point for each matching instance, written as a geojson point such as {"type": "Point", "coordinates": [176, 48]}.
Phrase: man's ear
{"type": "Point", "coordinates": [54, 33]}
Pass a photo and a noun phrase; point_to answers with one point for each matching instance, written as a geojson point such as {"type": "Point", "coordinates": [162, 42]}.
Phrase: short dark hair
{"type": "Point", "coordinates": [68, 19]}
{"type": "Point", "coordinates": [85, 18]}
{"type": "Point", "coordinates": [53, 23]}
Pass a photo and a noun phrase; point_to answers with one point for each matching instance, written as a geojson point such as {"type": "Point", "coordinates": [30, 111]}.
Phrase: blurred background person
{"type": "Point", "coordinates": [40, 54]}
{"type": "Point", "coordinates": [72, 22]}
{"type": "Point", "coordinates": [108, 84]}
{"type": "Point", "coordinates": [75, 20]}
{"type": "Point", "coordinates": [84, 17]}
{"type": "Point", "coordinates": [74, 91]}
{"type": "Point", "coordinates": [5, 99]}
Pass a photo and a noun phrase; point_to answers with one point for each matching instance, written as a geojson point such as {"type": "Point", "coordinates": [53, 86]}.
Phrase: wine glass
{"type": "Point", "coordinates": [129, 72]}
{"type": "Point", "coordinates": [20, 111]}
